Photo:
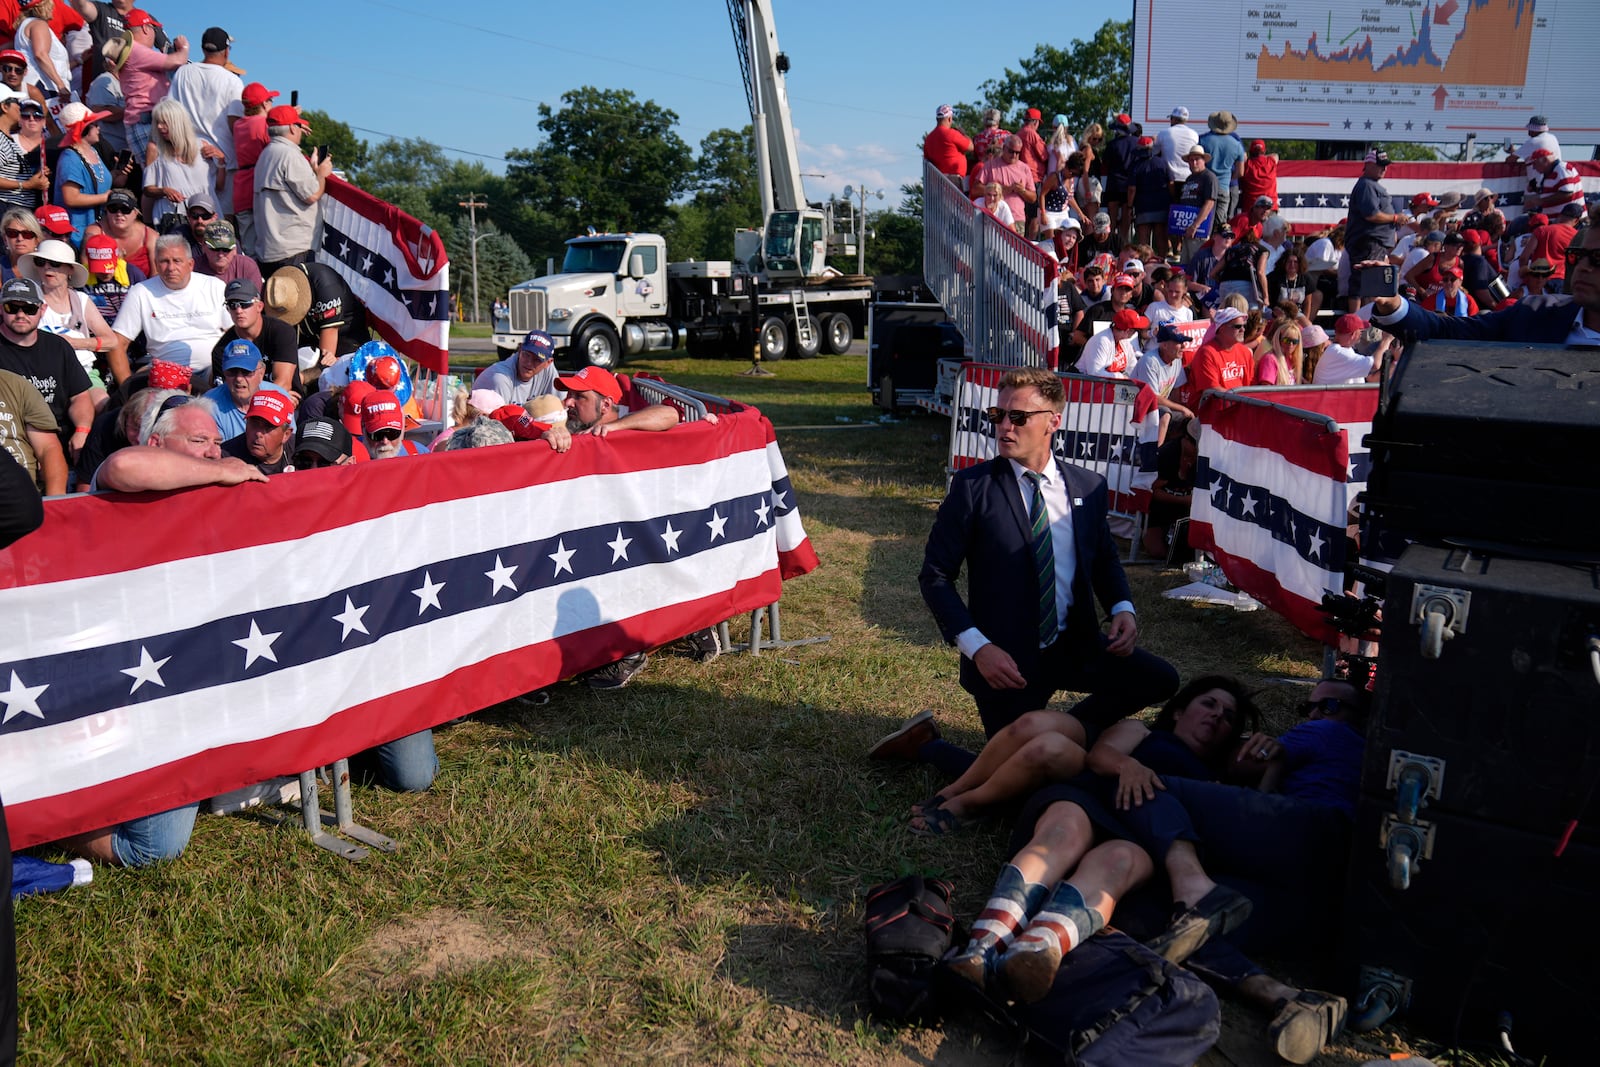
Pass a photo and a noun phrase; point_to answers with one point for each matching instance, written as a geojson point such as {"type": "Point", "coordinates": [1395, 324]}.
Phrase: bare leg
{"type": "Point", "coordinates": [1155, 542]}
{"type": "Point", "coordinates": [1189, 879]}
{"type": "Point", "coordinates": [1048, 757]}
{"type": "Point", "coordinates": [95, 845]}
{"type": "Point", "coordinates": [1005, 744]}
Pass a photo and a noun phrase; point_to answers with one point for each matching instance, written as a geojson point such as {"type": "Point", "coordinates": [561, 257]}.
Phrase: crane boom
{"type": "Point", "coordinates": [763, 67]}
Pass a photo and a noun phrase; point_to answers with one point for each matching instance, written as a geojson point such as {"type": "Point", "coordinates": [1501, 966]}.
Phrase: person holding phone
{"type": "Point", "coordinates": [287, 188]}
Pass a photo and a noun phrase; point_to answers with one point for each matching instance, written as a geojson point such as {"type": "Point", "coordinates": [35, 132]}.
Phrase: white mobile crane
{"type": "Point", "coordinates": [617, 296]}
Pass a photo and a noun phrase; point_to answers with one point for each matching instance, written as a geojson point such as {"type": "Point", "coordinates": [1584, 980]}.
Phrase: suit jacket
{"type": "Point", "coordinates": [1541, 320]}
{"type": "Point", "coordinates": [982, 522]}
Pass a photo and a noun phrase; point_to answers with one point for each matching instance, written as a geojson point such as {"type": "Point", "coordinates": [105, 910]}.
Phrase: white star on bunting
{"type": "Point", "coordinates": [501, 577]}
{"type": "Point", "coordinates": [563, 557]}
{"type": "Point", "coordinates": [1317, 543]}
{"type": "Point", "coordinates": [428, 594]}
{"type": "Point", "coordinates": [777, 499]}
{"type": "Point", "coordinates": [22, 699]}
{"type": "Point", "coordinates": [670, 536]}
{"type": "Point", "coordinates": [619, 547]}
{"type": "Point", "coordinates": [761, 513]}
{"type": "Point", "coordinates": [258, 645]}
{"type": "Point", "coordinates": [148, 670]}
{"type": "Point", "coordinates": [350, 619]}
{"type": "Point", "coordinates": [716, 524]}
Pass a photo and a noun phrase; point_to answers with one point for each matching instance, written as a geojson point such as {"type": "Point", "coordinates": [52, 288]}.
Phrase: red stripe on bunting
{"type": "Point", "coordinates": [1298, 441]}
{"type": "Point", "coordinates": [462, 691]}
{"type": "Point", "coordinates": [1355, 404]}
{"type": "Point", "coordinates": [1263, 585]}
{"type": "Point", "coordinates": [151, 528]}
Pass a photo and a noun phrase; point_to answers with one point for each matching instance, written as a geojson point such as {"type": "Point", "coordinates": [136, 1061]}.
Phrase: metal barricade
{"type": "Point", "coordinates": [992, 283]}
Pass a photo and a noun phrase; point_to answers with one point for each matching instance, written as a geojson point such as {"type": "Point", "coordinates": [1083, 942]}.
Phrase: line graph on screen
{"type": "Point", "coordinates": [1448, 42]}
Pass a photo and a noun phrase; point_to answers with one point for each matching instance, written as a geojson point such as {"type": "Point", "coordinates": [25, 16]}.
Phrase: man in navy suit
{"type": "Point", "coordinates": [1031, 627]}
{"type": "Point", "coordinates": [1547, 320]}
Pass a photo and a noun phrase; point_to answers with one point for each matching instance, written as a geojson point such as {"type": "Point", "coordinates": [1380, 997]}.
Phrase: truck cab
{"type": "Point", "coordinates": [609, 301]}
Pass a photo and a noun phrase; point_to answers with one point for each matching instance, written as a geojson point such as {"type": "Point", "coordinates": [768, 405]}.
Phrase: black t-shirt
{"type": "Point", "coordinates": [1476, 273]}
{"type": "Point", "coordinates": [277, 343]}
{"type": "Point", "coordinates": [105, 437]}
{"type": "Point", "coordinates": [1090, 246]}
{"type": "Point", "coordinates": [235, 447]}
{"type": "Point", "coordinates": [1198, 188]}
{"type": "Point", "coordinates": [333, 304]}
{"type": "Point", "coordinates": [1239, 263]}
{"type": "Point", "coordinates": [50, 366]}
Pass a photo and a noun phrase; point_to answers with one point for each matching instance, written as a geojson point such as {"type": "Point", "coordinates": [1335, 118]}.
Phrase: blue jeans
{"type": "Point", "coordinates": [407, 765]}
{"type": "Point", "coordinates": [141, 842]}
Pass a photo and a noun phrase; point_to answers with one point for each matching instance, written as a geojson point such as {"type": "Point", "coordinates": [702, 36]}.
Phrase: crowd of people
{"type": "Point", "coordinates": [1177, 270]}
{"type": "Point", "coordinates": [164, 324]}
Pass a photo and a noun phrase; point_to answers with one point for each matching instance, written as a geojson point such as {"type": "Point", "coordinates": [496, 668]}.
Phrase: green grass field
{"type": "Point", "coordinates": [669, 873]}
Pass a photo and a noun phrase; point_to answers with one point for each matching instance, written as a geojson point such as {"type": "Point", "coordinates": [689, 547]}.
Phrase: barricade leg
{"type": "Point", "coordinates": [775, 623]}
{"type": "Point", "coordinates": [314, 819]}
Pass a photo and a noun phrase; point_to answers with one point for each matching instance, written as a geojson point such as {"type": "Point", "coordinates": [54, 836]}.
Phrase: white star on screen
{"type": "Point", "coordinates": [350, 619]}
{"type": "Point", "coordinates": [148, 670]}
{"type": "Point", "coordinates": [258, 645]}
{"type": "Point", "coordinates": [563, 557]}
{"type": "Point", "coordinates": [428, 594]}
{"type": "Point", "coordinates": [501, 577]}
{"type": "Point", "coordinates": [619, 547]}
{"type": "Point", "coordinates": [22, 699]}
{"type": "Point", "coordinates": [716, 524]}
{"type": "Point", "coordinates": [670, 536]}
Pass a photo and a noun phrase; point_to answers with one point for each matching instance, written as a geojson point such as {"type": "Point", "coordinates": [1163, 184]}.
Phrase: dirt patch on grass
{"type": "Point", "coordinates": [443, 941]}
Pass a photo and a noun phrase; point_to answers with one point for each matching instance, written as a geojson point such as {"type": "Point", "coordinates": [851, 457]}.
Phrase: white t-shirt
{"type": "Point", "coordinates": [1159, 311]}
{"type": "Point", "coordinates": [172, 173]}
{"type": "Point", "coordinates": [1172, 143]}
{"type": "Point", "coordinates": [179, 325]}
{"type": "Point", "coordinates": [1158, 374]}
{"type": "Point", "coordinates": [1002, 210]}
{"type": "Point", "coordinates": [1413, 257]}
{"type": "Point", "coordinates": [210, 94]}
{"type": "Point", "coordinates": [1103, 357]}
{"type": "Point", "coordinates": [1341, 366]}
{"type": "Point", "coordinates": [1321, 255]}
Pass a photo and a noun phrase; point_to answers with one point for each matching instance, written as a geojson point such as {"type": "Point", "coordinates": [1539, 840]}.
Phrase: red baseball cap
{"type": "Point", "coordinates": [276, 408]}
{"type": "Point", "coordinates": [1541, 153]}
{"type": "Point", "coordinates": [1452, 272]}
{"type": "Point", "coordinates": [381, 411]}
{"type": "Point", "coordinates": [101, 251]}
{"type": "Point", "coordinates": [1348, 323]}
{"type": "Point", "coordinates": [53, 218]}
{"type": "Point", "coordinates": [11, 55]}
{"type": "Point", "coordinates": [256, 94]}
{"type": "Point", "coordinates": [1033, 114]}
{"type": "Point", "coordinates": [1129, 319]}
{"type": "Point", "coordinates": [1124, 279]}
{"type": "Point", "coordinates": [286, 115]}
{"type": "Point", "coordinates": [1423, 200]}
{"type": "Point", "coordinates": [350, 404]}
{"type": "Point", "coordinates": [1538, 218]}
{"type": "Point", "coordinates": [1258, 146]}
{"type": "Point", "coordinates": [593, 379]}
{"type": "Point", "coordinates": [138, 17]}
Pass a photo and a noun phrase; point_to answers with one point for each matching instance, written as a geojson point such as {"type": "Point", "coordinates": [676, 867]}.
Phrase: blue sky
{"type": "Point", "coordinates": [865, 79]}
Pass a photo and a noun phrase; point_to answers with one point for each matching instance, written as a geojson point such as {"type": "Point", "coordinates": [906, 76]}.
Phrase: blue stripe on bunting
{"type": "Point", "coordinates": [420, 304]}
{"type": "Point", "coordinates": [1313, 540]}
{"type": "Point", "coordinates": [90, 681]}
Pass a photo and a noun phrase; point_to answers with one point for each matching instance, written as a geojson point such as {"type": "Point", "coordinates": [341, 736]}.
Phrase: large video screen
{"type": "Point", "coordinates": [1371, 70]}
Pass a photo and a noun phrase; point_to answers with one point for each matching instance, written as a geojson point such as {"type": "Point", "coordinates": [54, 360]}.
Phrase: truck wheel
{"type": "Point", "coordinates": [774, 339]}
{"type": "Point", "coordinates": [837, 333]}
{"type": "Point", "coordinates": [799, 348]}
{"type": "Point", "coordinates": [597, 346]}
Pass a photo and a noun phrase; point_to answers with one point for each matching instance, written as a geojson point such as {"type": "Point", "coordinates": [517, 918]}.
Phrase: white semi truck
{"type": "Point", "coordinates": [618, 296]}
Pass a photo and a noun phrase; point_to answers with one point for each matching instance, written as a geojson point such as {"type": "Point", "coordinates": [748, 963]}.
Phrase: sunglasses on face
{"type": "Point", "coordinates": [17, 307]}
{"type": "Point", "coordinates": [21, 235]}
{"type": "Point", "coordinates": [11, 68]}
{"type": "Point", "coordinates": [1590, 256]}
{"type": "Point", "coordinates": [1328, 705]}
{"type": "Point", "coordinates": [238, 305]}
{"type": "Point", "coordinates": [995, 416]}
{"type": "Point", "coordinates": [201, 214]}
{"type": "Point", "coordinates": [119, 210]}
{"type": "Point", "coordinates": [383, 436]}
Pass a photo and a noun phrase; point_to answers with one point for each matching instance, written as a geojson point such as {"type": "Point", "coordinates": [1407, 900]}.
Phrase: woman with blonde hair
{"type": "Point", "coordinates": [49, 66]}
{"type": "Point", "coordinates": [1061, 145]}
{"type": "Point", "coordinates": [1282, 362]}
{"type": "Point", "coordinates": [176, 165]}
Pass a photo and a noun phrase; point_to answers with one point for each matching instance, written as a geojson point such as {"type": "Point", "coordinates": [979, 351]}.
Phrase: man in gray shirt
{"type": "Point", "coordinates": [287, 188]}
{"type": "Point", "coordinates": [528, 372]}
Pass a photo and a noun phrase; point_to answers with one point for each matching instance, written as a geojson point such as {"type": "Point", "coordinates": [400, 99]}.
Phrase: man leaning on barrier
{"type": "Point", "coordinates": [1033, 535]}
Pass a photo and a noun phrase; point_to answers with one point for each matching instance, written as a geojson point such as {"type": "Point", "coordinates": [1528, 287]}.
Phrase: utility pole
{"type": "Point", "coordinates": [472, 204]}
{"type": "Point", "coordinates": [861, 193]}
